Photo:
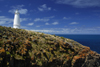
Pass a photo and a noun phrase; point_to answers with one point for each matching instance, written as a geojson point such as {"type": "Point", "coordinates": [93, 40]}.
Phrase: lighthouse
{"type": "Point", "coordinates": [16, 23]}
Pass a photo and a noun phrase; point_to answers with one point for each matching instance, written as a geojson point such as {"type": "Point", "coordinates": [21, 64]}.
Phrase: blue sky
{"type": "Point", "coordinates": [53, 16]}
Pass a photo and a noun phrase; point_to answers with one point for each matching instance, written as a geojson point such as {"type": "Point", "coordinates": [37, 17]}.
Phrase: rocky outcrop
{"type": "Point", "coordinates": [23, 48]}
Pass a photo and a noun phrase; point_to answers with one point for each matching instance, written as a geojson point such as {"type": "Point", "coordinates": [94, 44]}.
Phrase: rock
{"type": "Point", "coordinates": [5, 37]}
{"type": "Point", "coordinates": [23, 48]}
{"type": "Point", "coordinates": [34, 40]}
{"type": "Point", "coordinates": [1, 35]}
{"type": "Point", "coordinates": [91, 61]}
{"type": "Point", "coordinates": [70, 44]}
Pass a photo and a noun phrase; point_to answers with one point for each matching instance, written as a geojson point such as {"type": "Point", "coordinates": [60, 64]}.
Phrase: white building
{"type": "Point", "coordinates": [16, 23]}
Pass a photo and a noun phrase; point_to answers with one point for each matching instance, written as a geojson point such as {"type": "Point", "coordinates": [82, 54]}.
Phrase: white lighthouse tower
{"type": "Point", "coordinates": [16, 23]}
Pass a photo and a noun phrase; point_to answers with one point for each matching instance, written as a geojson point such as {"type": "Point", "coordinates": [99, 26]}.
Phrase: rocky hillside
{"type": "Point", "coordinates": [23, 48]}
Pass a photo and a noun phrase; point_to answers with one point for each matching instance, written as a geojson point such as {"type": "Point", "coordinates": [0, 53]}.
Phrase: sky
{"type": "Point", "coordinates": [53, 16]}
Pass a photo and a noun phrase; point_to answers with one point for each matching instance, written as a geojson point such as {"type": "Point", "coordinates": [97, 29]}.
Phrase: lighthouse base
{"type": "Point", "coordinates": [16, 26]}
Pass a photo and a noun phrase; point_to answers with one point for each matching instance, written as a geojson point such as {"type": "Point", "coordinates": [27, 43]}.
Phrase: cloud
{"type": "Point", "coordinates": [52, 30]}
{"type": "Point", "coordinates": [23, 19]}
{"type": "Point", "coordinates": [55, 23]}
{"type": "Point", "coordinates": [44, 7]}
{"type": "Point", "coordinates": [20, 8]}
{"type": "Point", "coordinates": [98, 27]}
{"type": "Point", "coordinates": [91, 29]}
{"type": "Point", "coordinates": [50, 17]}
{"type": "Point", "coordinates": [74, 23]}
{"type": "Point", "coordinates": [47, 24]}
{"type": "Point", "coordinates": [85, 30]}
{"type": "Point", "coordinates": [23, 11]}
{"type": "Point", "coordinates": [2, 22]}
{"type": "Point", "coordinates": [37, 26]}
{"type": "Point", "coordinates": [17, 6]}
{"type": "Point", "coordinates": [30, 24]}
{"type": "Point", "coordinates": [45, 19]}
{"type": "Point", "coordinates": [41, 19]}
{"type": "Point", "coordinates": [80, 3]}
{"type": "Point", "coordinates": [5, 20]}
{"type": "Point", "coordinates": [66, 18]}
{"type": "Point", "coordinates": [68, 30]}
{"type": "Point", "coordinates": [45, 31]}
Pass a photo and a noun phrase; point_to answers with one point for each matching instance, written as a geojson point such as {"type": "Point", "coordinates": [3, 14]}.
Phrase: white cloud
{"type": "Point", "coordinates": [2, 22]}
{"type": "Point", "coordinates": [84, 30]}
{"type": "Point", "coordinates": [37, 26]}
{"type": "Point", "coordinates": [5, 20]}
{"type": "Point", "coordinates": [49, 8]}
{"type": "Point", "coordinates": [45, 19]}
{"type": "Point", "coordinates": [98, 27]}
{"type": "Point", "coordinates": [66, 18]}
{"type": "Point", "coordinates": [50, 17]}
{"type": "Point", "coordinates": [68, 30]}
{"type": "Point", "coordinates": [45, 31]}
{"type": "Point", "coordinates": [44, 7]}
{"type": "Point", "coordinates": [41, 19]}
{"type": "Point", "coordinates": [23, 19]}
{"type": "Point", "coordinates": [20, 8]}
{"type": "Point", "coordinates": [53, 30]}
{"type": "Point", "coordinates": [30, 24]}
{"type": "Point", "coordinates": [55, 23]}
{"type": "Point", "coordinates": [23, 11]}
{"type": "Point", "coordinates": [91, 29]}
{"type": "Point", "coordinates": [17, 6]}
{"type": "Point", "coordinates": [47, 24]}
{"type": "Point", "coordinates": [40, 9]}
{"type": "Point", "coordinates": [74, 23]}
{"type": "Point", "coordinates": [80, 3]}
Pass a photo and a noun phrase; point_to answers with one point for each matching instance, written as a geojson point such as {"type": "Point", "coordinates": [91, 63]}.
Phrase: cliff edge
{"type": "Point", "coordinates": [23, 48]}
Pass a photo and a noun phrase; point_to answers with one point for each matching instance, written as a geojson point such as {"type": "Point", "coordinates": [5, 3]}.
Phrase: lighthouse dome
{"type": "Point", "coordinates": [16, 12]}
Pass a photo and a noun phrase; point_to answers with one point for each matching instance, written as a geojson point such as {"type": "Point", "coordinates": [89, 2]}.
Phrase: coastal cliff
{"type": "Point", "coordinates": [23, 48]}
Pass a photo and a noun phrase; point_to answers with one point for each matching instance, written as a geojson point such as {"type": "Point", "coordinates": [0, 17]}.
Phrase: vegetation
{"type": "Point", "coordinates": [23, 48]}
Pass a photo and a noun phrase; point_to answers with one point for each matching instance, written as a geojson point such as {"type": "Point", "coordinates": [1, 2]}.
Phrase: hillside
{"type": "Point", "coordinates": [23, 48]}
